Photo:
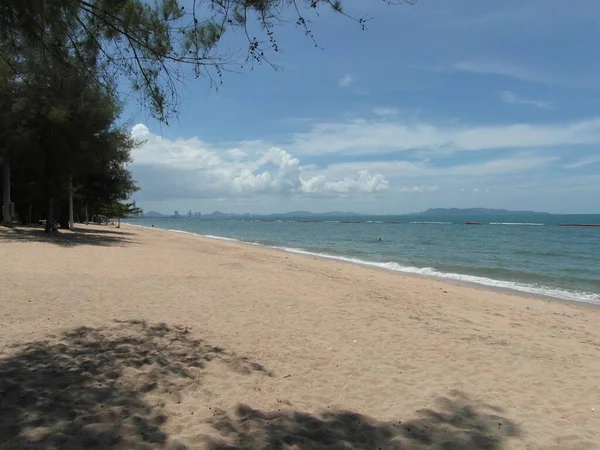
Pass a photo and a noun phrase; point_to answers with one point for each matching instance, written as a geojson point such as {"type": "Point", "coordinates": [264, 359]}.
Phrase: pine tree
{"type": "Point", "coordinates": [61, 135]}
{"type": "Point", "coordinates": [118, 210]}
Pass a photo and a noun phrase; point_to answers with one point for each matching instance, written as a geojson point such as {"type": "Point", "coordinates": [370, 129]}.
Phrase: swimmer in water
{"type": "Point", "coordinates": [379, 240]}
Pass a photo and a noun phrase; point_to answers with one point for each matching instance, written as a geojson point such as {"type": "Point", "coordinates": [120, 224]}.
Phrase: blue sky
{"type": "Point", "coordinates": [443, 104]}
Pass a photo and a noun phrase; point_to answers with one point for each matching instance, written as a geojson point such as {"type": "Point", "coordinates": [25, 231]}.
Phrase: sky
{"type": "Point", "coordinates": [442, 104]}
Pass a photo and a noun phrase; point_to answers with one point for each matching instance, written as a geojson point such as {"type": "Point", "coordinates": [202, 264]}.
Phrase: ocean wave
{"type": "Point", "coordinates": [548, 291]}
{"type": "Point", "coordinates": [518, 223]}
{"type": "Point", "coordinates": [587, 297]}
{"type": "Point", "coordinates": [432, 223]}
{"type": "Point", "coordinates": [210, 236]}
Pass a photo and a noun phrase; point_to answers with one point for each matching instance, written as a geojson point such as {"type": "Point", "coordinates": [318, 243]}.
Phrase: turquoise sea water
{"type": "Point", "coordinates": [527, 253]}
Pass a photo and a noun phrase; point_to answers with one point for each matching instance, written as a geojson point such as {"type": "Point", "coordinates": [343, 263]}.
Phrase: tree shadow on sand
{"type": "Point", "coordinates": [81, 236]}
{"type": "Point", "coordinates": [103, 388]}
{"type": "Point", "coordinates": [457, 424]}
{"type": "Point", "coordinates": [87, 389]}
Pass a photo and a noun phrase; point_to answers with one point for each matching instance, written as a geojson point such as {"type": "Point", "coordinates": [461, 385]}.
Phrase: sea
{"type": "Point", "coordinates": [529, 254]}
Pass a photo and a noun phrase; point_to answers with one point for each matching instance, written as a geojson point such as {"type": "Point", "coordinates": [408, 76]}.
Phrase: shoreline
{"type": "Point", "coordinates": [379, 266]}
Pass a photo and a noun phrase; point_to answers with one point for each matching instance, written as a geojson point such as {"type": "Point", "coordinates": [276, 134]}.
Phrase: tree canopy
{"type": "Point", "coordinates": [60, 133]}
{"type": "Point", "coordinates": [153, 44]}
{"type": "Point", "coordinates": [120, 210]}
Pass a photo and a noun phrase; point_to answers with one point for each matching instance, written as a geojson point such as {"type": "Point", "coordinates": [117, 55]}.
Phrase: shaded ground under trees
{"type": "Point", "coordinates": [87, 389]}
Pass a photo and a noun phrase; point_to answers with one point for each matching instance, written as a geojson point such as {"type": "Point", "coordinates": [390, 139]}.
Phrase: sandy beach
{"type": "Point", "coordinates": [141, 338]}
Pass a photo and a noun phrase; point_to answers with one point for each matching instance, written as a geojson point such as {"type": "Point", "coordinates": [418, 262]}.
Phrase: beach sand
{"type": "Point", "coordinates": [143, 338]}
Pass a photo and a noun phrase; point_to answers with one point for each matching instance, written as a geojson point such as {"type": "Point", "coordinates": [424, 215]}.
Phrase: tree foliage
{"type": "Point", "coordinates": [153, 44]}
{"type": "Point", "coordinates": [120, 210]}
{"type": "Point", "coordinates": [61, 133]}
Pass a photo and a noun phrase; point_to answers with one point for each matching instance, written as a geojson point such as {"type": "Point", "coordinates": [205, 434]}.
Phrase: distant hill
{"type": "Point", "coordinates": [216, 214]}
{"type": "Point", "coordinates": [475, 211]}
{"type": "Point", "coordinates": [311, 214]}
{"type": "Point", "coordinates": [154, 214]}
{"type": "Point", "coordinates": [219, 214]}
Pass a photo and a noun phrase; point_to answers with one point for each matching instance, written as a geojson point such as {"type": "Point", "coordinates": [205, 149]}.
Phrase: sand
{"type": "Point", "coordinates": [143, 338]}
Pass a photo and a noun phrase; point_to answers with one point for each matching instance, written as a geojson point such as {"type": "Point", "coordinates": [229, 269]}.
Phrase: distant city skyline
{"type": "Point", "coordinates": [188, 214]}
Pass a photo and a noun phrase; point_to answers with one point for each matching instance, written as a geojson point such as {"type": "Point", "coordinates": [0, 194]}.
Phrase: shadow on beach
{"type": "Point", "coordinates": [87, 389]}
{"type": "Point", "coordinates": [103, 388]}
{"type": "Point", "coordinates": [457, 424]}
{"type": "Point", "coordinates": [81, 236]}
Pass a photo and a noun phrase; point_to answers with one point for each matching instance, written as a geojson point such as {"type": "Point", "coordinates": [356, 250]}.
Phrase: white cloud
{"type": "Point", "coordinates": [501, 166]}
{"type": "Point", "coordinates": [513, 99]}
{"type": "Point", "coordinates": [427, 171]}
{"type": "Point", "coordinates": [364, 137]}
{"type": "Point", "coordinates": [236, 154]}
{"type": "Point", "coordinates": [364, 182]}
{"type": "Point", "coordinates": [422, 189]}
{"type": "Point", "coordinates": [190, 168]}
{"type": "Point", "coordinates": [346, 81]}
{"type": "Point", "coordinates": [140, 131]}
{"type": "Point", "coordinates": [594, 159]}
{"type": "Point", "coordinates": [502, 69]}
{"type": "Point", "coordinates": [269, 177]}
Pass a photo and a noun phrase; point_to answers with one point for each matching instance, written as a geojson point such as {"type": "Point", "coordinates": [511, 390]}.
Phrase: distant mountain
{"type": "Point", "coordinates": [216, 214]}
{"type": "Point", "coordinates": [219, 214]}
{"type": "Point", "coordinates": [475, 211]}
{"type": "Point", "coordinates": [154, 214]}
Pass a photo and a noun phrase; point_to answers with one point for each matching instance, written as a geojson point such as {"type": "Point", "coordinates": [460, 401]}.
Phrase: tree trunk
{"type": "Point", "coordinates": [6, 213]}
{"type": "Point", "coordinates": [22, 215]}
{"type": "Point", "coordinates": [63, 221]}
{"type": "Point", "coordinates": [87, 219]}
{"type": "Point", "coordinates": [70, 202]}
{"type": "Point", "coordinates": [118, 222]}
{"type": "Point", "coordinates": [50, 216]}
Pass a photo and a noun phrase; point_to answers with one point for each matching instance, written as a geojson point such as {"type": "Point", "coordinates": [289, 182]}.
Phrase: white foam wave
{"type": "Point", "coordinates": [548, 291]}
{"type": "Point", "coordinates": [432, 223]}
{"type": "Point", "coordinates": [577, 296]}
{"type": "Point", "coordinates": [519, 223]}
{"type": "Point", "coordinates": [135, 225]}
{"type": "Point", "coordinates": [332, 221]}
{"type": "Point", "coordinates": [210, 236]}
